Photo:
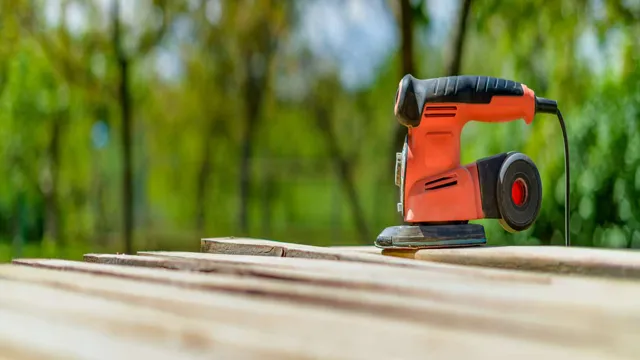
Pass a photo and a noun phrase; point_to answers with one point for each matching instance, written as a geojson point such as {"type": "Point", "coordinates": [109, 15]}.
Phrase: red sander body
{"type": "Point", "coordinates": [438, 195]}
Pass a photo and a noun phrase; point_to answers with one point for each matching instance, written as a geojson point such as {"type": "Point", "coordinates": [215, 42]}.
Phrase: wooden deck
{"type": "Point", "coordinates": [260, 299]}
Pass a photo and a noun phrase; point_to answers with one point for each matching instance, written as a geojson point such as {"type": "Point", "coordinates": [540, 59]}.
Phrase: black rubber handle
{"type": "Point", "coordinates": [414, 93]}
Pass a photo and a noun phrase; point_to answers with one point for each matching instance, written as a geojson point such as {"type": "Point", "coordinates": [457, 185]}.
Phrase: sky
{"type": "Point", "coordinates": [359, 34]}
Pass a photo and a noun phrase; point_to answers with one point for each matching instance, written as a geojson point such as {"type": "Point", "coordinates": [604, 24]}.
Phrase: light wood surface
{"type": "Point", "coordinates": [215, 319]}
{"type": "Point", "coordinates": [552, 259]}
{"type": "Point", "coordinates": [137, 310]}
{"type": "Point", "coordinates": [364, 249]}
{"type": "Point", "coordinates": [359, 269]}
{"type": "Point", "coordinates": [269, 248]}
{"type": "Point", "coordinates": [532, 301]}
{"type": "Point", "coordinates": [261, 299]}
{"type": "Point", "coordinates": [261, 247]}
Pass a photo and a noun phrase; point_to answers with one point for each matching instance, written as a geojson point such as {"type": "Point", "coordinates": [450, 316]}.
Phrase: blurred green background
{"type": "Point", "coordinates": [149, 124]}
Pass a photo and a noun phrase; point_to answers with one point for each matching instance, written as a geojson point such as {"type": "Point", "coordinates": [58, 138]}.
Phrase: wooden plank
{"type": "Point", "coordinates": [59, 324]}
{"type": "Point", "coordinates": [364, 249]}
{"type": "Point", "coordinates": [427, 272]}
{"type": "Point", "coordinates": [24, 348]}
{"type": "Point", "coordinates": [475, 268]}
{"type": "Point", "coordinates": [366, 301]}
{"type": "Point", "coordinates": [557, 295]}
{"type": "Point", "coordinates": [259, 247]}
{"type": "Point", "coordinates": [295, 329]}
{"type": "Point", "coordinates": [549, 259]}
{"type": "Point", "coordinates": [27, 336]}
{"type": "Point", "coordinates": [217, 319]}
{"type": "Point", "coordinates": [622, 264]}
{"type": "Point", "coordinates": [317, 272]}
{"type": "Point", "coordinates": [532, 320]}
{"type": "Point", "coordinates": [369, 273]}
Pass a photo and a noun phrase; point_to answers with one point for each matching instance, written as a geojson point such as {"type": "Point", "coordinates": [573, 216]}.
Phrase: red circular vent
{"type": "Point", "coordinates": [519, 192]}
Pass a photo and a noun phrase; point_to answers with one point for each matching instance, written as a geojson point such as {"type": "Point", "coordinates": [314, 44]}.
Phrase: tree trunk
{"type": "Point", "coordinates": [344, 173]}
{"type": "Point", "coordinates": [455, 62]}
{"type": "Point", "coordinates": [245, 165]}
{"type": "Point", "coordinates": [19, 221]}
{"type": "Point", "coordinates": [126, 133]}
{"type": "Point", "coordinates": [52, 223]}
{"type": "Point", "coordinates": [407, 36]}
{"type": "Point", "coordinates": [268, 195]}
{"type": "Point", "coordinates": [255, 87]}
{"type": "Point", "coordinates": [127, 174]}
{"type": "Point", "coordinates": [203, 177]}
{"type": "Point", "coordinates": [406, 30]}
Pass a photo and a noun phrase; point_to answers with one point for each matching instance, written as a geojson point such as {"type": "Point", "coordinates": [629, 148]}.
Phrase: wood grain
{"type": "Point", "coordinates": [217, 320]}
{"type": "Point", "coordinates": [260, 247]}
{"type": "Point", "coordinates": [252, 298]}
{"type": "Point", "coordinates": [298, 331]}
{"type": "Point", "coordinates": [549, 259]}
{"type": "Point", "coordinates": [358, 270]}
{"type": "Point", "coordinates": [257, 247]}
{"type": "Point", "coordinates": [369, 274]}
{"type": "Point", "coordinates": [367, 301]}
{"type": "Point", "coordinates": [14, 347]}
{"type": "Point", "coordinates": [72, 326]}
{"type": "Point", "coordinates": [557, 295]}
{"type": "Point", "coordinates": [364, 249]}
{"type": "Point", "coordinates": [479, 262]}
{"type": "Point", "coordinates": [533, 320]}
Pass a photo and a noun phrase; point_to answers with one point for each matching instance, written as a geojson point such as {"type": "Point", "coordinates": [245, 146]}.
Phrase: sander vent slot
{"type": "Point", "coordinates": [430, 107]}
{"type": "Point", "coordinates": [440, 183]}
{"type": "Point", "coordinates": [440, 111]}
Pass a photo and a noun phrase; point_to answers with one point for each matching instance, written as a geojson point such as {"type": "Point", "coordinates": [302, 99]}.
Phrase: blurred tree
{"type": "Point", "coordinates": [459, 38]}
{"type": "Point", "coordinates": [124, 57]}
{"type": "Point", "coordinates": [219, 78]}
{"type": "Point", "coordinates": [407, 14]}
{"type": "Point", "coordinates": [411, 15]}
{"type": "Point", "coordinates": [236, 127]}
{"type": "Point", "coordinates": [323, 104]}
{"type": "Point", "coordinates": [410, 11]}
{"type": "Point", "coordinates": [262, 30]}
{"type": "Point", "coordinates": [553, 55]}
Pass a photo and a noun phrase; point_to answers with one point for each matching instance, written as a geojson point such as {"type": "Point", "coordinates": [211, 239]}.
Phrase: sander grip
{"type": "Point", "coordinates": [413, 94]}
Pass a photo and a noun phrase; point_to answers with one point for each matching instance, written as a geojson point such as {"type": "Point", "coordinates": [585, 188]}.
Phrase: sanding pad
{"type": "Point", "coordinates": [431, 236]}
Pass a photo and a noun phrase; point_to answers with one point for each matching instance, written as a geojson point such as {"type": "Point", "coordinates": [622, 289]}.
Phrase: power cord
{"type": "Point", "coordinates": [551, 107]}
{"type": "Point", "coordinates": [566, 179]}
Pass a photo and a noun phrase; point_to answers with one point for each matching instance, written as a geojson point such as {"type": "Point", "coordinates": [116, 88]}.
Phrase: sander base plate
{"type": "Point", "coordinates": [431, 236]}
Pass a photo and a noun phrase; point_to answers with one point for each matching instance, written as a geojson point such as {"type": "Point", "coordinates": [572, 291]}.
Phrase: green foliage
{"type": "Point", "coordinates": [61, 194]}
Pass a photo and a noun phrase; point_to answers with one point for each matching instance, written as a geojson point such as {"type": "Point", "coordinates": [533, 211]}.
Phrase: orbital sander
{"type": "Point", "coordinates": [438, 195]}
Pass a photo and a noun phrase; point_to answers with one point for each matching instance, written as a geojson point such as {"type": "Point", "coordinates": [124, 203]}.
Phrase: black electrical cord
{"type": "Point", "coordinates": [566, 179]}
{"type": "Point", "coordinates": [551, 107]}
